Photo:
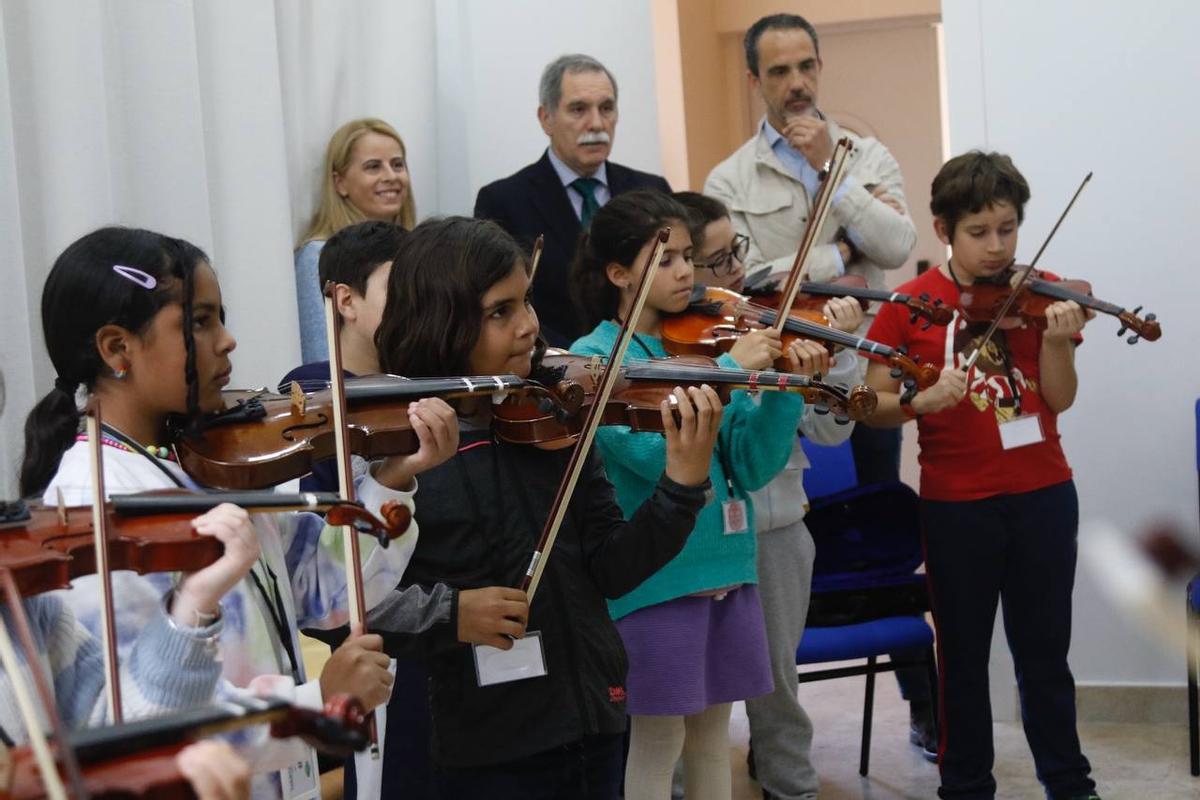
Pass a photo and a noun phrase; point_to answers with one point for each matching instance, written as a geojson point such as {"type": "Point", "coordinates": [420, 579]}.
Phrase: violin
{"type": "Point", "coordinates": [263, 439]}
{"type": "Point", "coordinates": [717, 318]}
{"type": "Point", "coordinates": [983, 300]}
{"type": "Point", "coordinates": [763, 289]}
{"type": "Point", "coordinates": [138, 759]}
{"type": "Point", "coordinates": [46, 547]}
{"type": "Point", "coordinates": [640, 389]}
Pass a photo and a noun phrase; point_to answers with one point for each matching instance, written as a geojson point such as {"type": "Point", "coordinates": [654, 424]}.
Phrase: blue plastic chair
{"type": "Point", "coordinates": [867, 600]}
{"type": "Point", "coordinates": [1193, 622]}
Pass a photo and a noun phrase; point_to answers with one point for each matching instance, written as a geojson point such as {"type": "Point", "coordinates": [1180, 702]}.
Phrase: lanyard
{"type": "Point", "coordinates": [278, 615]}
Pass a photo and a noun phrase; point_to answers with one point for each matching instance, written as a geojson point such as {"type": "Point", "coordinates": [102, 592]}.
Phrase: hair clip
{"type": "Point", "coordinates": [142, 279]}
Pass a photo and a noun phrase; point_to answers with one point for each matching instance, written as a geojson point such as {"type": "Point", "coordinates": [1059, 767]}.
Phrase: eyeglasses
{"type": "Point", "coordinates": [722, 263]}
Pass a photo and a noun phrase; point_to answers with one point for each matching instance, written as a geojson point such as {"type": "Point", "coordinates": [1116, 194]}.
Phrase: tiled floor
{"type": "Point", "coordinates": [1129, 762]}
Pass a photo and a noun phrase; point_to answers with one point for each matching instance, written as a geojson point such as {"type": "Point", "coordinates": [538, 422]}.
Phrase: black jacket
{"type": "Point", "coordinates": [533, 201]}
{"type": "Point", "coordinates": [480, 515]}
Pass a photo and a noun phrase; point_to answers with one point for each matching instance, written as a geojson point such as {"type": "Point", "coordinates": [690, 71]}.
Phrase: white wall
{"type": "Point", "coordinates": [490, 57]}
{"type": "Point", "coordinates": [1065, 88]}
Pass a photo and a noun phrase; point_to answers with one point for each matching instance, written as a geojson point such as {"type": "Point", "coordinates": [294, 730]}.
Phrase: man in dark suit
{"type": "Point", "coordinates": [557, 195]}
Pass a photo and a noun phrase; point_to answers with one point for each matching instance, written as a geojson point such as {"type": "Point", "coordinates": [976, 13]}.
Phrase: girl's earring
{"type": "Point", "coordinates": [120, 372]}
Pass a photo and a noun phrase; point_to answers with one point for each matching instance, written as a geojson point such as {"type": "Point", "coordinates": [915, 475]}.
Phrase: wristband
{"type": "Point", "coordinates": [200, 619]}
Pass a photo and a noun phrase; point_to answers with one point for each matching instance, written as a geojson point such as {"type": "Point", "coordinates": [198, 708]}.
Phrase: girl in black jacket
{"type": "Point", "coordinates": [458, 305]}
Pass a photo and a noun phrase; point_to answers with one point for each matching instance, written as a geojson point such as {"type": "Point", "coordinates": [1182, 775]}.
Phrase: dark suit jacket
{"type": "Point", "coordinates": [533, 201]}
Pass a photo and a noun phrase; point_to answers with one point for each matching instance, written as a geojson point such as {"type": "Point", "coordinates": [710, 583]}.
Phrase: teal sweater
{"type": "Point", "coordinates": [756, 438]}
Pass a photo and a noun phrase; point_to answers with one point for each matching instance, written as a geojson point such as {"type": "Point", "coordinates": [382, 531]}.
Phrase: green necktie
{"type": "Point", "coordinates": [587, 188]}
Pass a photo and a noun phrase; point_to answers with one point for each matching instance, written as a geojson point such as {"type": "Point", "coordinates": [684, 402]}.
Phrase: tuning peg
{"type": "Point", "coordinates": [910, 384]}
{"type": "Point", "coordinates": [1151, 317]}
{"type": "Point", "coordinates": [821, 409]}
{"type": "Point", "coordinates": [546, 405]}
{"type": "Point", "coordinates": [902, 349]}
{"type": "Point", "coordinates": [896, 372]}
{"type": "Point", "coordinates": [1136, 311]}
{"type": "Point", "coordinates": [912, 317]}
{"type": "Point", "coordinates": [841, 420]}
{"type": "Point", "coordinates": [924, 297]}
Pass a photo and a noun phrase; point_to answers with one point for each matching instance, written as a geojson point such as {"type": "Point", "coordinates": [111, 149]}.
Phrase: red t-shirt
{"type": "Point", "coordinates": [961, 455]}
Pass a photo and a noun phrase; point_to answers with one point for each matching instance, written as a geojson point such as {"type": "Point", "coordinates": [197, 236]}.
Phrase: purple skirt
{"type": "Point", "coordinates": [694, 652]}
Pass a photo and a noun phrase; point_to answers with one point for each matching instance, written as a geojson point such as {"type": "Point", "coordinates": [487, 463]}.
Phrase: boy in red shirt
{"type": "Point", "coordinates": [999, 512]}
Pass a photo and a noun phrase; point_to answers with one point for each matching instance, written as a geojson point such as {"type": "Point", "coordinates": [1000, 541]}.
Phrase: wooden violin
{"type": "Point", "coordinates": [138, 759]}
{"type": "Point", "coordinates": [717, 318]}
{"type": "Point", "coordinates": [46, 547]}
{"type": "Point", "coordinates": [983, 300]}
{"type": "Point", "coordinates": [763, 289]}
{"type": "Point", "coordinates": [263, 439]}
{"type": "Point", "coordinates": [640, 389]}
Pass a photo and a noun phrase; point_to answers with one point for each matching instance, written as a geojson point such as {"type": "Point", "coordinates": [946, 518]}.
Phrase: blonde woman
{"type": "Point", "coordinates": [365, 177]}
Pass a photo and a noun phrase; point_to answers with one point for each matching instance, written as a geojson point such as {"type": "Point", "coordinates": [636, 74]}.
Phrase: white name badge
{"type": "Point", "coordinates": [736, 518]}
{"type": "Point", "coordinates": [1020, 431]}
{"type": "Point", "coordinates": [524, 660]}
{"type": "Point", "coordinates": [302, 780]}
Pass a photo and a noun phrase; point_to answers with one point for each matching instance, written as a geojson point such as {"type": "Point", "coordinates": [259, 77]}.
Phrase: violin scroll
{"type": "Point", "coordinates": [340, 729]}
{"type": "Point", "coordinates": [933, 313]}
{"type": "Point", "coordinates": [1147, 328]}
{"type": "Point", "coordinates": [396, 518]}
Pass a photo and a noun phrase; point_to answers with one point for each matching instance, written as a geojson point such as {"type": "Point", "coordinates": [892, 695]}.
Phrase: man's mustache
{"type": "Point", "coordinates": [594, 137]}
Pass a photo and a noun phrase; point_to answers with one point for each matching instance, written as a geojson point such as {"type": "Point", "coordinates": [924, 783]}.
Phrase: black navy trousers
{"type": "Point", "coordinates": [1018, 552]}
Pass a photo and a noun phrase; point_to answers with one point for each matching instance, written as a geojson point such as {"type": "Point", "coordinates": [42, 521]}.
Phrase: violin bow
{"type": "Point", "coordinates": [604, 388]}
{"type": "Point", "coordinates": [55, 787]}
{"type": "Point", "coordinates": [831, 178]}
{"type": "Point", "coordinates": [536, 256]}
{"type": "Point", "coordinates": [1016, 288]}
{"type": "Point", "coordinates": [112, 690]}
{"type": "Point", "coordinates": [341, 437]}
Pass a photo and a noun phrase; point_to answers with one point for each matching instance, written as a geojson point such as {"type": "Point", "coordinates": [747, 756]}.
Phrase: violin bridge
{"type": "Point", "coordinates": [595, 367]}
{"type": "Point", "coordinates": [299, 401]}
{"type": "Point", "coordinates": [62, 507]}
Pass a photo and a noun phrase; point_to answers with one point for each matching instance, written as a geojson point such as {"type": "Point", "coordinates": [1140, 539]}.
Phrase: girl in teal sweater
{"type": "Point", "coordinates": [694, 630]}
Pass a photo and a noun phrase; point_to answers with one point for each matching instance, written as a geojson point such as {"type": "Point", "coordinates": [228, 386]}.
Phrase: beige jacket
{"type": "Point", "coordinates": [771, 207]}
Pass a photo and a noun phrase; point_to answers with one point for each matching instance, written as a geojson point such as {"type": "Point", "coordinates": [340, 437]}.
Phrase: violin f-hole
{"type": "Point", "coordinates": [288, 432]}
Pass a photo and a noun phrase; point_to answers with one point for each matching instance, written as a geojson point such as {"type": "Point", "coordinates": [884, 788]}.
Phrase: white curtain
{"type": "Point", "coordinates": [204, 119]}
{"type": "Point", "coordinates": [208, 119]}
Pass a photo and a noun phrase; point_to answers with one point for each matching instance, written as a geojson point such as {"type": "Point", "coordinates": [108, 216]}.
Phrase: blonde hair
{"type": "Point", "coordinates": [336, 212]}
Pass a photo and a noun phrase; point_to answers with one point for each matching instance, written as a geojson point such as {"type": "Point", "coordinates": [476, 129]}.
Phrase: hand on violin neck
{"type": "Point", "coordinates": [359, 668]}
{"type": "Point", "coordinates": [807, 357]}
{"type": "Point", "coordinates": [493, 616]}
{"type": "Point", "coordinates": [844, 313]}
{"type": "Point", "coordinates": [1065, 320]}
{"type": "Point", "coordinates": [214, 770]}
{"type": "Point", "coordinates": [436, 425]}
{"type": "Point", "coordinates": [198, 597]}
{"type": "Point", "coordinates": [758, 349]}
{"type": "Point", "coordinates": [948, 392]}
{"type": "Point", "coordinates": [692, 437]}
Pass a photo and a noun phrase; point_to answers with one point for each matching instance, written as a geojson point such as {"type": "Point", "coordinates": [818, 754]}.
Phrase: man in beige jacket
{"type": "Point", "coordinates": [769, 182]}
{"type": "Point", "coordinates": [768, 185]}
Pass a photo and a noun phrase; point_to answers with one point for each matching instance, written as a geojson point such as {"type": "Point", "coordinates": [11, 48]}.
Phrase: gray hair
{"type": "Point", "coordinates": [550, 88]}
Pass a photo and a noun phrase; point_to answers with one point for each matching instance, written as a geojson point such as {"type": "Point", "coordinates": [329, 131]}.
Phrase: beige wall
{"type": "Point", "coordinates": [712, 76]}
